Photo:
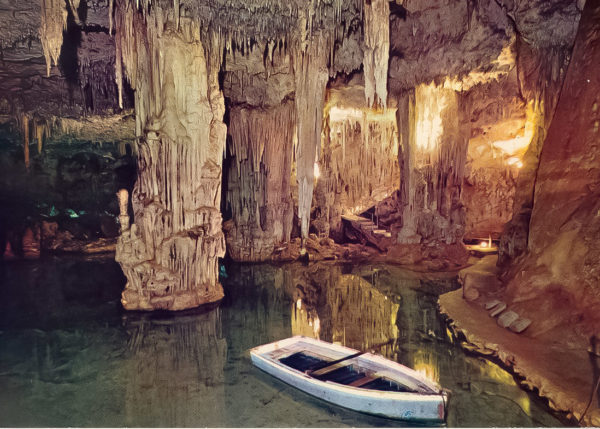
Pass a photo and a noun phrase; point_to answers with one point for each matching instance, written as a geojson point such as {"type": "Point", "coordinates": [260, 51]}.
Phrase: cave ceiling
{"type": "Point", "coordinates": [461, 42]}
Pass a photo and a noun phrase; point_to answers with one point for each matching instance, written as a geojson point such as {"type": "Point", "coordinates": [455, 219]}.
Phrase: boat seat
{"type": "Point", "coordinates": [327, 369]}
{"type": "Point", "coordinates": [362, 381]}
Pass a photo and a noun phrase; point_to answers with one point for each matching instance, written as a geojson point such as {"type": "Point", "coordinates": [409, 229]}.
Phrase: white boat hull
{"type": "Point", "coordinates": [398, 405]}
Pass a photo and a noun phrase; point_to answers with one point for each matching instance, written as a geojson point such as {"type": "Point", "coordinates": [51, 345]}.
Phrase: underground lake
{"type": "Point", "coordinates": [71, 356]}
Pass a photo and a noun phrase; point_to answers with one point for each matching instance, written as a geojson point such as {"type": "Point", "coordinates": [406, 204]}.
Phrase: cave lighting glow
{"type": "Point", "coordinates": [425, 364]}
{"type": "Point", "coordinates": [430, 103]}
{"type": "Point", "coordinates": [341, 114]}
{"type": "Point", "coordinates": [515, 148]}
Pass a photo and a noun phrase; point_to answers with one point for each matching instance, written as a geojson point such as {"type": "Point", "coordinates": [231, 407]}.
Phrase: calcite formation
{"type": "Point", "coordinates": [430, 116]}
{"type": "Point", "coordinates": [355, 141]}
{"type": "Point", "coordinates": [311, 75]}
{"type": "Point", "coordinates": [258, 188]}
{"type": "Point", "coordinates": [434, 148]}
{"type": "Point", "coordinates": [54, 22]}
{"type": "Point", "coordinates": [376, 53]}
{"type": "Point", "coordinates": [170, 254]}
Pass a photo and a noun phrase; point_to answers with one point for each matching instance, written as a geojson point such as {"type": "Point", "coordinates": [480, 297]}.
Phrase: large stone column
{"type": "Point", "coordinates": [170, 254]}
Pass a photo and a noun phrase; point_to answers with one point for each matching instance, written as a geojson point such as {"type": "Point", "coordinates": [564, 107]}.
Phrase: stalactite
{"type": "Point", "coordinates": [74, 4]}
{"type": "Point", "coordinates": [376, 53]}
{"type": "Point", "coordinates": [119, 70]}
{"type": "Point", "coordinates": [53, 23]}
{"type": "Point", "coordinates": [311, 76]}
{"type": "Point", "coordinates": [111, 6]}
{"type": "Point", "coordinates": [259, 185]}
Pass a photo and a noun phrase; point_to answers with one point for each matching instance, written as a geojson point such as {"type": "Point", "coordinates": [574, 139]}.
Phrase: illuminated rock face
{"type": "Point", "coordinates": [434, 148]}
{"type": "Point", "coordinates": [494, 157]}
{"type": "Point", "coordinates": [354, 141]}
{"type": "Point", "coordinates": [560, 268]}
{"type": "Point", "coordinates": [170, 254]}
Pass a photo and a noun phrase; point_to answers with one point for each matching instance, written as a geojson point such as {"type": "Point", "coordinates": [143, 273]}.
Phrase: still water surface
{"type": "Point", "coordinates": [69, 356]}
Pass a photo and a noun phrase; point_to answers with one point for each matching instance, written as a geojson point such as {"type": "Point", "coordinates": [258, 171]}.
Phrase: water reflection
{"type": "Point", "coordinates": [70, 357]}
{"type": "Point", "coordinates": [174, 369]}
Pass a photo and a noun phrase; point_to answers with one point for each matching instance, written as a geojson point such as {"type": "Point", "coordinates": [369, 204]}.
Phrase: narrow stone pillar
{"type": "Point", "coordinates": [311, 75]}
{"type": "Point", "coordinates": [170, 254]}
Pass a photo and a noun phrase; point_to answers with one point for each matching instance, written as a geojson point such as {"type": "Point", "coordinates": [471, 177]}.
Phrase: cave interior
{"type": "Point", "coordinates": [442, 136]}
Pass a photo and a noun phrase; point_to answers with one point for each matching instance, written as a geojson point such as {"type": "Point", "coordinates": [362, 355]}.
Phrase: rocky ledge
{"type": "Point", "coordinates": [555, 362]}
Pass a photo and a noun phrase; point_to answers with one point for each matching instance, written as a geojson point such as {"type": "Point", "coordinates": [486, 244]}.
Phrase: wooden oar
{"type": "Point", "coordinates": [335, 362]}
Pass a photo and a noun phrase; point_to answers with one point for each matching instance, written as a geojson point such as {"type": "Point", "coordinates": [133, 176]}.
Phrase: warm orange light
{"type": "Point", "coordinates": [317, 170]}
{"type": "Point", "coordinates": [483, 244]}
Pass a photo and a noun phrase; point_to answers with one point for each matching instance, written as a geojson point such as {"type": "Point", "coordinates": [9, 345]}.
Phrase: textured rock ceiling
{"type": "Point", "coordinates": [466, 41]}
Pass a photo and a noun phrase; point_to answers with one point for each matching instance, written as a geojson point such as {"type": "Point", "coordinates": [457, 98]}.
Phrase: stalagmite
{"type": "Point", "coordinates": [123, 197]}
{"type": "Point", "coordinates": [376, 52]}
{"type": "Point", "coordinates": [53, 23]}
{"type": "Point", "coordinates": [311, 75]}
{"type": "Point", "coordinates": [170, 254]}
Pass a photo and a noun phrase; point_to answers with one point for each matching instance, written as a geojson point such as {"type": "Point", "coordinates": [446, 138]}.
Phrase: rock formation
{"type": "Point", "coordinates": [285, 117]}
{"type": "Point", "coordinates": [559, 268]}
{"type": "Point", "coordinates": [170, 253]}
{"type": "Point", "coordinates": [258, 188]}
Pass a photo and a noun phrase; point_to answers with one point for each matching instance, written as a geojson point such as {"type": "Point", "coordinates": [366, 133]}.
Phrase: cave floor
{"type": "Point", "coordinates": [549, 363]}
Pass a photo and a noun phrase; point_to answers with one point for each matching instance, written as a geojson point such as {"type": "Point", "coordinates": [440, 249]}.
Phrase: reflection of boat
{"type": "Point", "coordinates": [367, 383]}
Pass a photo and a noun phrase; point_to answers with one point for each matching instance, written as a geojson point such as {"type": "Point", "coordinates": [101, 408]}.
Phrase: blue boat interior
{"type": "Point", "coordinates": [347, 375]}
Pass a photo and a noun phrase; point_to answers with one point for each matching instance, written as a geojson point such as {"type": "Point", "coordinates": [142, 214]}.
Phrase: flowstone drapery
{"type": "Point", "coordinates": [170, 254]}
{"type": "Point", "coordinates": [434, 147]}
{"type": "Point", "coordinates": [259, 183]}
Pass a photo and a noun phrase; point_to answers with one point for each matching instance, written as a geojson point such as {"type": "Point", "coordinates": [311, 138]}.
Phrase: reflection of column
{"type": "Point", "coordinates": [347, 309]}
{"type": "Point", "coordinates": [175, 374]}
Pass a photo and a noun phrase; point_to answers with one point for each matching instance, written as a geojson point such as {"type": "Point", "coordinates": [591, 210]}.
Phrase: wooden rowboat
{"type": "Point", "coordinates": [367, 382]}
